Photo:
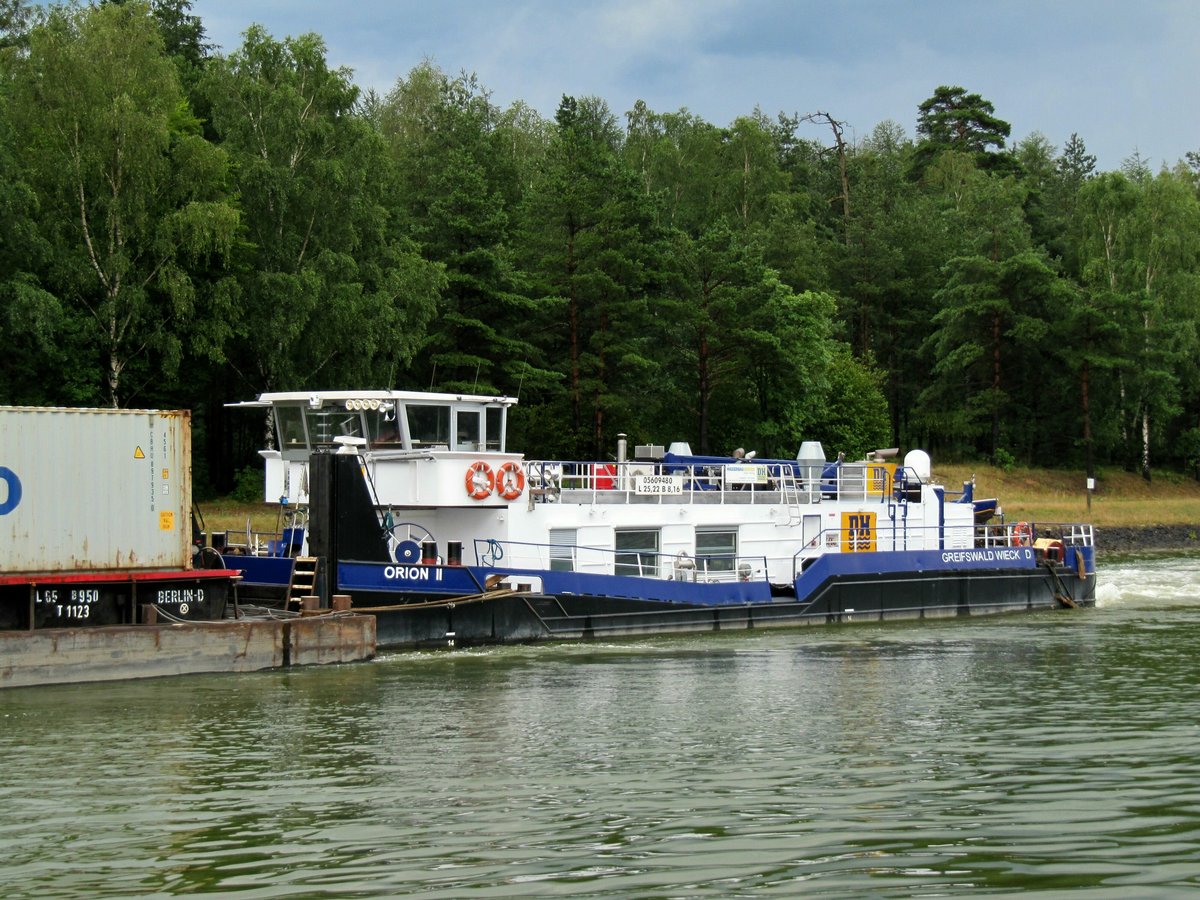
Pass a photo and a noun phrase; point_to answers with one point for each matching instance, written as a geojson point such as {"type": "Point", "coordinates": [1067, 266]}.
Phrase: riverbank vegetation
{"type": "Point", "coordinates": [184, 229]}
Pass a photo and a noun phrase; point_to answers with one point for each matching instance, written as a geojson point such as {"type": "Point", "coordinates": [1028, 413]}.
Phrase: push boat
{"type": "Point", "coordinates": [411, 506]}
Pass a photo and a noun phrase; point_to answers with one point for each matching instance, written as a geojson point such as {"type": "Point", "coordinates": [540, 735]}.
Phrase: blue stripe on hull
{"type": "Point", "coordinates": [837, 588]}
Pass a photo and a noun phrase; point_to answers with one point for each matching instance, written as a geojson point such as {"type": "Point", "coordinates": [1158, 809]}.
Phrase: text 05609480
{"type": "Point", "coordinates": [658, 484]}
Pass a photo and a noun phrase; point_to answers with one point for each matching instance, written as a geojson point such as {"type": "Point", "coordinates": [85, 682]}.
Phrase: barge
{"type": "Point", "coordinates": [96, 523]}
{"type": "Point", "coordinates": [102, 577]}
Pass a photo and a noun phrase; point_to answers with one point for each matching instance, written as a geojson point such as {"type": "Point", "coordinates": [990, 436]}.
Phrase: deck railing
{"type": "Point", "coordinates": [726, 482]}
{"type": "Point", "coordinates": [1034, 534]}
{"type": "Point", "coordinates": [662, 565]}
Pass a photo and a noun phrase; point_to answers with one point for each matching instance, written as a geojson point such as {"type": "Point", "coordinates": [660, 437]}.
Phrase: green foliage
{"type": "Point", "coordinates": [248, 487]}
{"type": "Point", "coordinates": [454, 178]}
{"type": "Point", "coordinates": [134, 202]}
{"type": "Point", "coordinates": [854, 417]}
{"type": "Point", "coordinates": [590, 248]}
{"type": "Point", "coordinates": [14, 23]}
{"type": "Point", "coordinates": [186, 229]}
{"type": "Point", "coordinates": [955, 121]}
{"type": "Point", "coordinates": [324, 270]}
{"type": "Point", "coordinates": [1189, 450]}
{"type": "Point", "coordinates": [1002, 459]}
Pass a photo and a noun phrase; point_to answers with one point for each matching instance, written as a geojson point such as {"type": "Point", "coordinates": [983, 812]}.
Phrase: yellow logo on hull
{"type": "Point", "coordinates": [858, 532]}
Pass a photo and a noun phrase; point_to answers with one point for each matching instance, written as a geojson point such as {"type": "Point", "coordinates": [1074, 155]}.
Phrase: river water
{"type": "Point", "coordinates": [1045, 753]}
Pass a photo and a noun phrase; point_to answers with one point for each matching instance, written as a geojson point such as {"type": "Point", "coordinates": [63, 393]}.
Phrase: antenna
{"type": "Point", "coordinates": [524, 369]}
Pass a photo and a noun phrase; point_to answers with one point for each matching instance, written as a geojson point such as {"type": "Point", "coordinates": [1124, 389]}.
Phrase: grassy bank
{"type": "Point", "coordinates": [237, 518]}
{"type": "Point", "coordinates": [1050, 495]}
{"type": "Point", "coordinates": [1033, 495]}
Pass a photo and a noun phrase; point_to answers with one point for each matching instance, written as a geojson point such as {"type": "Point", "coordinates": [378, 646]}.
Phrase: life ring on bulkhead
{"type": "Point", "coordinates": [1022, 535]}
{"type": "Point", "coordinates": [480, 480]}
{"type": "Point", "coordinates": [510, 481]}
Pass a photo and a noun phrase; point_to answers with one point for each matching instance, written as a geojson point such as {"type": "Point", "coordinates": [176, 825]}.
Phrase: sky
{"type": "Point", "coordinates": [1123, 75]}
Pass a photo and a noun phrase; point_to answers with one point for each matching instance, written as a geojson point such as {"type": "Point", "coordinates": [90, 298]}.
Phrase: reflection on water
{"type": "Point", "coordinates": [1047, 752]}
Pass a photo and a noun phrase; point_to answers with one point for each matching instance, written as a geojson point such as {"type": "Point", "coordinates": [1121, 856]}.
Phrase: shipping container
{"type": "Point", "coordinates": [94, 490]}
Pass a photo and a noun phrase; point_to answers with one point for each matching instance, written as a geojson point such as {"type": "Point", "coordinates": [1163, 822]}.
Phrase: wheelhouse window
{"type": "Point", "coordinates": [429, 426]}
{"type": "Point", "coordinates": [494, 437]}
{"type": "Point", "coordinates": [289, 426]}
{"type": "Point", "coordinates": [384, 428]}
{"type": "Point", "coordinates": [327, 423]}
{"type": "Point", "coordinates": [716, 549]}
{"type": "Point", "coordinates": [637, 551]}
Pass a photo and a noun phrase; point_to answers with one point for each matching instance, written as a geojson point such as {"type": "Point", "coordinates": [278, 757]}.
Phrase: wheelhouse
{"type": "Point", "coordinates": [386, 421]}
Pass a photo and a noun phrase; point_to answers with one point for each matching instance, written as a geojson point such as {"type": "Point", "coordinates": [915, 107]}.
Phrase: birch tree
{"type": "Point", "coordinates": [134, 201]}
{"type": "Point", "coordinates": [333, 290]}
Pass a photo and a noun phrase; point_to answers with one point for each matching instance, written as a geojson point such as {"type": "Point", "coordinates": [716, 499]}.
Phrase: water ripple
{"type": "Point", "coordinates": [1043, 753]}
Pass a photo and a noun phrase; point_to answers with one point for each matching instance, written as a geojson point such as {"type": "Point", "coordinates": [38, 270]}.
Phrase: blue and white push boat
{"type": "Point", "coordinates": [421, 514]}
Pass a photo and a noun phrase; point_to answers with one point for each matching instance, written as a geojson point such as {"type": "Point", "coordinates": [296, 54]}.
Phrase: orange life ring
{"type": "Point", "coordinates": [510, 481]}
{"type": "Point", "coordinates": [1022, 534]}
{"type": "Point", "coordinates": [480, 480]}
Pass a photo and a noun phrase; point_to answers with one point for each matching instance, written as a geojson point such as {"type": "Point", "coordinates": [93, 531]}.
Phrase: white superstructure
{"type": "Point", "coordinates": [439, 469]}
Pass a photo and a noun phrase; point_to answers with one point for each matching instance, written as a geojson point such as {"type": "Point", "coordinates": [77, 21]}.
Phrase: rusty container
{"type": "Point", "coordinates": [94, 490]}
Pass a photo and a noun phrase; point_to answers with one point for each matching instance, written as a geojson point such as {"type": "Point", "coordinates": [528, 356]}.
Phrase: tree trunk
{"type": "Point", "coordinates": [1146, 442]}
{"type": "Point", "coordinates": [702, 372]}
{"type": "Point", "coordinates": [113, 379]}
{"type": "Point", "coordinates": [995, 385]}
{"type": "Point", "coordinates": [573, 303]}
{"type": "Point", "coordinates": [601, 378]}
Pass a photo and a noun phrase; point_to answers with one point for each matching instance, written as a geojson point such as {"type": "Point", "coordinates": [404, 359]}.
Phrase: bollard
{"type": "Point", "coordinates": [454, 553]}
{"type": "Point", "coordinates": [342, 602]}
{"type": "Point", "coordinates": [429, 553]}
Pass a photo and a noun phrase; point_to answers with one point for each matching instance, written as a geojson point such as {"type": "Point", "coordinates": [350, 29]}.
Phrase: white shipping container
{"type": "Point", "coordinates": [86, 490]}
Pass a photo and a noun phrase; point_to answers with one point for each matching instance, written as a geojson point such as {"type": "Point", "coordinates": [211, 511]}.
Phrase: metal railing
{"type": "Point", "coordinates": [664, 566]}
{"type": "Point", "coordinates": [1029, 534]}
{"type": "Point", "coordinates": [287, 539]}
{"type": "Point", "coordinates": [742, 483]}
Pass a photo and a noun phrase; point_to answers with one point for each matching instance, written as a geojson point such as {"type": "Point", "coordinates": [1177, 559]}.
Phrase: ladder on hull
{"type": "Point", "coordinates": [303, 582]}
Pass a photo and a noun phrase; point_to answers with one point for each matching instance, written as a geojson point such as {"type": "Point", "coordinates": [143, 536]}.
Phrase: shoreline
{"type": "Point", "coordinates": [1139, 538]}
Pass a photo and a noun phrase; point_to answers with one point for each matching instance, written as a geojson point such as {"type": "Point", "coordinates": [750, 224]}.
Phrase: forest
{"type": "Point", "coordinates": [182, 229]}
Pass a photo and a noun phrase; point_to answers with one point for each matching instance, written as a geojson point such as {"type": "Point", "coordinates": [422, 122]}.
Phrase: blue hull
{"type": "Point", "coordinates": [438, 605]}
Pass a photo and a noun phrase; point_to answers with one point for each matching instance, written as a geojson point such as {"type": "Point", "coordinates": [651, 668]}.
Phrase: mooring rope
{"type": "Point", "coordinates": [443, 602]}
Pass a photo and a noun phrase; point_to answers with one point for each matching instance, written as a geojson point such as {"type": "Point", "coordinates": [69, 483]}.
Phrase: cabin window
{"type": "Point", "coordinates": [429, 426]}
{"type": "Point", "coordinates": [468, 434]}
{"type": "Point", "coordinates": [716, 549]}
{"type": "Point", "coordinates": [637, 551]}
{"type": "Point", "coordinates": [562, 549]}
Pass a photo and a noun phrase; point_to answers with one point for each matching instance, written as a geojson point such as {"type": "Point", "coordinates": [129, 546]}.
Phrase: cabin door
{"type": "Point", "coordinates": [468, 430]}
{"type": "Point", "coordinates": [811, 530]}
